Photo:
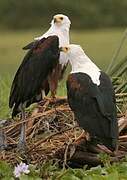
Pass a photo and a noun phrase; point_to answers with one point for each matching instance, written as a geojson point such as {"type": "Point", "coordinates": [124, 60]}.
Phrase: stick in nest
{"type": "Point", "coordinates": [49, 137]}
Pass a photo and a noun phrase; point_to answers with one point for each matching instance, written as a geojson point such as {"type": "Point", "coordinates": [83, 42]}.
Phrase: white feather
{"type": "Point", "coordinates": [62, 32]}
{"type": "Point", "coordinates": [80, 62]}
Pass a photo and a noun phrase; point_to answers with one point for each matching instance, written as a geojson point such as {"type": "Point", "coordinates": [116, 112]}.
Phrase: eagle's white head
{"type": "Point", "coordinates": [60, 20]}
{"type": "Point", "coordinates": [80, 62]}
{"type": "Point", "coordinates": [60, 26]}
{"type": "Point", "coordinates": [73, 51]}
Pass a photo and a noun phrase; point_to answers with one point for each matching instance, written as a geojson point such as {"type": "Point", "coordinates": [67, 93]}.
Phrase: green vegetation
{"type": "Point", "coordinates": [98, 44]}
{"type": "Point", "coordinates": [49, 171]}
{"type": "Point", "coordinates": [4, 92]}
{"type": "Point", "coordinates": [83, 13]}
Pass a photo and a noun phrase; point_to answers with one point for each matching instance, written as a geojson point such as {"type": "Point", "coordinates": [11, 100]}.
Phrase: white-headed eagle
{"type": "Point", "coordinates": [60, 26]}
{"type": "Point", "coordinates": [40, 70]}
{"type": "Point", "coordinates": [92, 99]}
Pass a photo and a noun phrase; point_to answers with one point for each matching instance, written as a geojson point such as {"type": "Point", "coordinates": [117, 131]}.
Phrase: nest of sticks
{"type": "Point", "coordinates": [51, 133]}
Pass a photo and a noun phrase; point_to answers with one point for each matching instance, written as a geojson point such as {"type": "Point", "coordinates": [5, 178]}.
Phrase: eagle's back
{"type": "Point", "coordinates": [94, 106]}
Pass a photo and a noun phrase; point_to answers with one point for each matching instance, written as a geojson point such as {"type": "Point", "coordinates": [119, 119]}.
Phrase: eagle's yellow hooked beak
{"type": "Point", "coordinates": [64, 49]}
{"type": "Point", "coordinates": [58, 19]}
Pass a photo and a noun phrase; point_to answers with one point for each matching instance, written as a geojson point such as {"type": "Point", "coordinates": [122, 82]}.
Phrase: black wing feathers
{"type": "Point", "coordinates": [94, 106]}
{"type": "Point", "coordinates": [33, 71]}
{"type": "Point", "coordinates": [103, 95]}
{"type": "Point", "coordinates": [33, 44]}
{"type": "Point", "coordinates": [30, 45]}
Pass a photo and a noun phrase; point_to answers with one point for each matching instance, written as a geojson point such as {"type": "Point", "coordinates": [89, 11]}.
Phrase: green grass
{"type": "Point", "coordinates": [4, 92]}
{"type": "Point", "coordinates": [50, 171]}
{"type": "Point", "coordinates": [98, 44]}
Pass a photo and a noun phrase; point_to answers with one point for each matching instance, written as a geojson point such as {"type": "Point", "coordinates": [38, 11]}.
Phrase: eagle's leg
{"type": "Point", "coordinates": [53, 83]}
{"type": "Point", "coordinates": [22, 138]}
{"type": "Point", "coordinates": [53, 94]}
{"type": "Point", "coordinates": [3, 144]}
{"type": "Point", "coordinates": [53, 79]}
{"type": "Point", "coordinates": [53, 86]}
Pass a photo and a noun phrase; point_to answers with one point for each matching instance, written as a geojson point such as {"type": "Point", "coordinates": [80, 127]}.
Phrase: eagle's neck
{"type": "Point", "coordinates": [63, 35]}
{"type": "Point", "coordinates": [83, 64]}
{"type": "Point", "coordinates": [61, 31]}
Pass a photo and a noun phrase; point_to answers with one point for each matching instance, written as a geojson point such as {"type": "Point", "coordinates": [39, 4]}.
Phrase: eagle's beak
{"type": "Point", "coordinates": [57, 20]}
{"type": "Point", "coordinates": [64, 49]}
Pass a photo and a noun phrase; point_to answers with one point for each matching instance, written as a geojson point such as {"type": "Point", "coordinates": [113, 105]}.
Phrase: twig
{"type": "Point", "coordinates": [49, 137]}
{"type": "Point", "coordinates": [122, 123]}
{"type": "Point", "coordinates": [38, 116]}
{"type": "Point", "coordinates": [65, 155]}
{"type": "Point", "coordinates": [121, 95]}
{"type": "Point", "coordinates": [123, 138]}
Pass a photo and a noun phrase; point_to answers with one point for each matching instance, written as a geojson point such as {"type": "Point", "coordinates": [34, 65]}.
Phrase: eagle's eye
{"type": "Point", "coordinates": [61, 18]}
{"type": "Point", "coordinates": [66, 48]}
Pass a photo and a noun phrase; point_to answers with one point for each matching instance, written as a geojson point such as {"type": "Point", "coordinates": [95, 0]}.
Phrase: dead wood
{"type": "Point", "coordinates": [53, 133]}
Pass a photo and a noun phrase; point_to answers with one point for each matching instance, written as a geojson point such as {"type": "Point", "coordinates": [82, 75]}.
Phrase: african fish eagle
{"type": "Point", "coordinates": [31, 76]}
{"type": "Point", "coordinates": [60, 26]}
{"type": "Point", "coordinates": [92, 99]}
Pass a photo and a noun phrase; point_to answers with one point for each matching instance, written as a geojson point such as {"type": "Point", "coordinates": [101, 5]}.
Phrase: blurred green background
{"type": "Point", "coordinates": [97, 25]}
{"type": "Point", "coordinates": [83, 13]}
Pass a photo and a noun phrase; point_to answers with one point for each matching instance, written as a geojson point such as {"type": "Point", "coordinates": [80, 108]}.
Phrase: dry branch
{"type": "Point", "coordinates": [51, 133]}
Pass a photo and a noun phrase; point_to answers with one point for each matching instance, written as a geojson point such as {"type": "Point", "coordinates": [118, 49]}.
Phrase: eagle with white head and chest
{"type": "Point", "coordinates": [40, 70]}
{"type": "Point", "coordinates": [60, 26]}
{"type": "Point", "coordinates": [92, 99]}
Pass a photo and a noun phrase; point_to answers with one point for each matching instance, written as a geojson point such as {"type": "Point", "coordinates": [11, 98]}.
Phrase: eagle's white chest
{"type": "Point", "coordinates": [63, 41]}
{"type": "Point", "coordinates": [63, 38]}
{"type": "Point", "coordinates": [85, 65]}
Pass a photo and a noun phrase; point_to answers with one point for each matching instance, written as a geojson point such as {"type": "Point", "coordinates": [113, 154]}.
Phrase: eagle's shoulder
{"type": "Point", "coordinates": [79, 81]}
{"type": "Point", "coordinates": [38, 43]}
{"type": "Point", "coordinates": [73, 82]}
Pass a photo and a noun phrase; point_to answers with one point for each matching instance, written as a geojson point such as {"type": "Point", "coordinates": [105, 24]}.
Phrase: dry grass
{"type": "Point", "coordinates": [51, 134]}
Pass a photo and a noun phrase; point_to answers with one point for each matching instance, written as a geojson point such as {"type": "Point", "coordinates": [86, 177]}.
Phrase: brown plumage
{"type": "Point", "coordinates": [31, 78]}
